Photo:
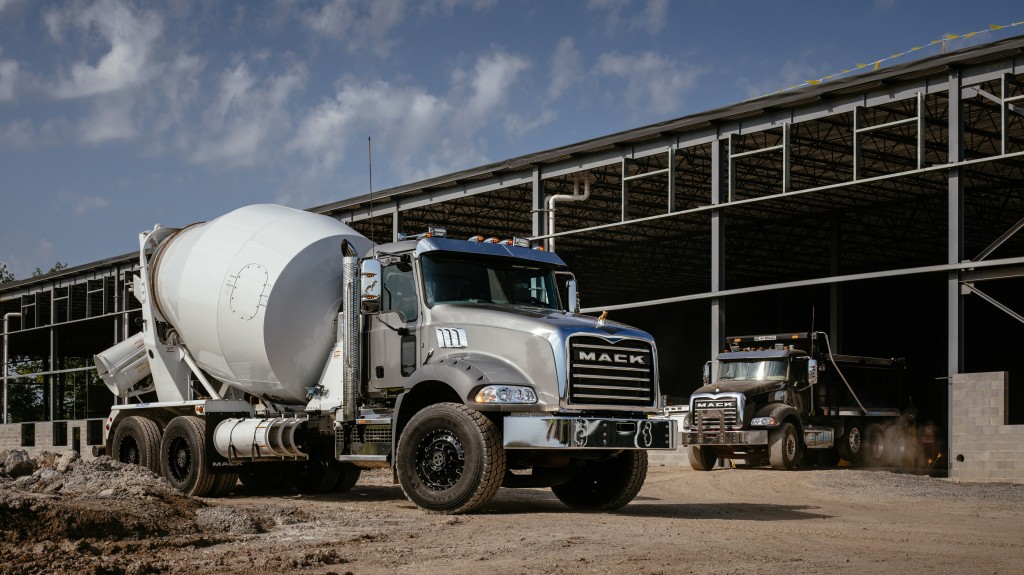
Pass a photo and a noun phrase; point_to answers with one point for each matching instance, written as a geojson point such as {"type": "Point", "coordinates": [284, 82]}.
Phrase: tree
{"type": "Point", "coordinates": [56, 268]}
{"type": "Point", "coordinates": [6, 276]}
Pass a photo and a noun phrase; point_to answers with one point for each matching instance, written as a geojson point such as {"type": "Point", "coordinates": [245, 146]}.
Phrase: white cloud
{"type": "Point", "coordinates": [361, 23]}
{"type": "Point", "coordinates": [110, 120]}
{"type": "Point", "coordinates": [519, 126]}
{"type": "Point", "coordinates": [247, 113]}
{"type": "Point", "coordinates": [403, 120]}
{"type": "Point", "coordinates": [487, 85]}
{"type": "Point", "coordinates": [791, 73]}
{"type": "Point", "coordinates": [8, 77]}
{"type": "Point", "coordinates": [23, 134]}
{"type": "Point", "coordinates": [566, 68]}
{"type": "Point", "coordinates": [6, 3]}
{"type": "Point", "coordinates": [447, 7]}
{"type": "Point", "coordinates": [651, 19]}
{"type": "Point", "coordinates": [80, 204]}
{"type": "Point", "coordinates": [654, 83]}
{"type": "Point", "coordinates": [131, 36]}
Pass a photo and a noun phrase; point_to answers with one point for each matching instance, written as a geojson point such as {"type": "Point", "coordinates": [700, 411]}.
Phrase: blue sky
{"type": "Point", "coordinates": [118, 115]}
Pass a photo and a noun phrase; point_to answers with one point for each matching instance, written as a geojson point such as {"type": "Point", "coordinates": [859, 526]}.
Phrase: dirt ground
{"type": "Point", "coordinates": [102, 517]}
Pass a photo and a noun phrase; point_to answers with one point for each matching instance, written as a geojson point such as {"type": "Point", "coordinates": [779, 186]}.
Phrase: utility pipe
{"type": "Point", "coordinates": [7, 319]}
{"type": "Point", "coordinates": [575, 197]}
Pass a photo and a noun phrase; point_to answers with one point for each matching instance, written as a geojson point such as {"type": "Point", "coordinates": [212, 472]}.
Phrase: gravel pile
{"type": "Point", "coordinates": [61, 496]}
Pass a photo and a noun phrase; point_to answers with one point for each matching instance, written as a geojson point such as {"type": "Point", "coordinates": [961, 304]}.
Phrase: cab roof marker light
{"type": "Point", "coordinates": [476, 238]}
{"type": "Point", "coordinates": [493, 240]}
{"type": "Point", "coordinates": [520, 242]}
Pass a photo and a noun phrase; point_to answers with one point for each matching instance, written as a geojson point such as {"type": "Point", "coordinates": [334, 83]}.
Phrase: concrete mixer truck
{"type": "Point", "coordinates": [282, 347]}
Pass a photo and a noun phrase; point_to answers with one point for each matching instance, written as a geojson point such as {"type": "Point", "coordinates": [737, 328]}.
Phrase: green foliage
{"type": "Point", "coordinates": [56, 268]}
{"type": "Point", "coordinates": [6, 276]}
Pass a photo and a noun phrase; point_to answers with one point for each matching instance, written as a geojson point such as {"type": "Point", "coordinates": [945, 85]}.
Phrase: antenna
{"type": "Point", "coordinates": [369, 155]}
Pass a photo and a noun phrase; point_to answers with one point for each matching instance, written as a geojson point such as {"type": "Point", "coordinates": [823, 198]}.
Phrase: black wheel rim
{"type": "Point", "coordinates": [440, 460]}
{"type": "Point", "coordinates": [129, 451]}
{"type": "Point", "coordinates": [180, 459]}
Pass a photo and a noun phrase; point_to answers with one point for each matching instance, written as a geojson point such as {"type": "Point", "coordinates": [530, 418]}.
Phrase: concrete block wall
{"type": "Point", "coordinates": [11, 438]}
{"type": "Point", "coordinates": [983, 447]}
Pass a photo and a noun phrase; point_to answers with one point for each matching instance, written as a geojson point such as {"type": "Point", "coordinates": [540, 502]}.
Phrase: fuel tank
{"type": "Point", "coordinates": [254, 295]}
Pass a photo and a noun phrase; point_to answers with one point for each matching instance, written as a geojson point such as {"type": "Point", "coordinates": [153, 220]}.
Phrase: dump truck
{"type": "Point", "coordinates": [281, 347]}
{"type": "Point", "coordinates": [787, 400]}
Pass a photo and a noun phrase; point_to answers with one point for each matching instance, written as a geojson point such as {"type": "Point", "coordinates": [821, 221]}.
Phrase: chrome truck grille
{"type": "Point", "coordinates": [711, 412]}
{"type": "Point", "coordinates": [610, 372]}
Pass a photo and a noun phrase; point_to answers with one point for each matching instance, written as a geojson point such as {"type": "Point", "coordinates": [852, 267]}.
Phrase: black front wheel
{"type": "Point", "coordinates": [607, 484]}
{"type": "Point", "coordinates": [783, 447]}
{"type": "Point", "coordinates": [702, 458]}
{"type": "Point", "coordinates": [450, 459]}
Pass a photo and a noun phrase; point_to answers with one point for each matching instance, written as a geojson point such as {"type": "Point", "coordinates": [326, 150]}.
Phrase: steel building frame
{"type": "Point", "coordinates": [911, 173]}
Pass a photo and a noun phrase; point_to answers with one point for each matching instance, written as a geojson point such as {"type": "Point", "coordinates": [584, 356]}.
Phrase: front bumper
{"type": "Point", "coordinates": [554, 432]}
{"type": "Point", "coordinates": [749, 437]}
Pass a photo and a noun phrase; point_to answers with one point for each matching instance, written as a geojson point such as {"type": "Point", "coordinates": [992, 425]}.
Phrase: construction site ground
{"type": "Point", "coordinates": [102, 517]}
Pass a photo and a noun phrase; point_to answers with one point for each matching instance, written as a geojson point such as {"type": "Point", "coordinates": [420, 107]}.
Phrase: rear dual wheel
{"type": "Point", "coordinates": [183, 460]}
{"type": "Point", "coordinates": [137, 441]}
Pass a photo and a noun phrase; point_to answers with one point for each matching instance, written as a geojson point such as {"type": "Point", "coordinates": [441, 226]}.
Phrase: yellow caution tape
{"type": "Point", "coordinates": [875, 65]}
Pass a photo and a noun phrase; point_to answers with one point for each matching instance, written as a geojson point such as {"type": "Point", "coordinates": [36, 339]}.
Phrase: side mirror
{"type": "Point", "coordinates": [812, 371]}
{"type": "Point", "coordinates": [574, 296]}
{"type": "Point", "coordinates": [707, 372]}
{"type": "Point", "coordinates": [369, 286]}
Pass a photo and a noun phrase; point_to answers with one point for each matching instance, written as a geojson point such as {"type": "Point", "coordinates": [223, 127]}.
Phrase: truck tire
{"type": "Point", "coordinates": [263, 477]}
{"type": "Point", "coordinates": [137, 441]}
{"type": "Point", "coordinates": [450, 459]}
{"type": "Point", "coordinates": [223, 485]}
{"type": "Point", "coordinates": [183, 458]}
{"type": "Point", "coordinates": [702, 458]}
{"type": "Point", "coordinates": [874, 450]}
{"type": "Point", "coordinates": [348, 476]}
{"type": "Point", "coordinates": [607, 484]}
{"type": "Point", "coordinates": [851, 444]}
{"type": "Point", "coordinates": [783, 447]}
{"type": "Point", "coordinates": [828, 458]}
{"type": "Point", "coordinates": [316, 476]}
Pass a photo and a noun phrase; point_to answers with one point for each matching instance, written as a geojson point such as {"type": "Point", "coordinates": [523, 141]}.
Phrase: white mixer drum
{"type": "Point", "coordinates": [254, 295]}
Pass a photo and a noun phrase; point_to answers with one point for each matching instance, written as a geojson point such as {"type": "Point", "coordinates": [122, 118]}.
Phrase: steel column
{"type": "Point", "coordinates": [537, 212]}
{"type": "Point", "coordinates": [717, 253]}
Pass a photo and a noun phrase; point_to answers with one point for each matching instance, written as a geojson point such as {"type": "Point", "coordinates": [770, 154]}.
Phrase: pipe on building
{"type": "Point", "coordinates": [7, 319]}
{"type": "Point", "coordinates": [575, 197]}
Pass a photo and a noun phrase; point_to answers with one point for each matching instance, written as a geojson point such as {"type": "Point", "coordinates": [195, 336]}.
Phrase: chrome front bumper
{"type": "Point", "coordinates": [552, 432]}
{"type": "Point", "coordinates": [751, 437]}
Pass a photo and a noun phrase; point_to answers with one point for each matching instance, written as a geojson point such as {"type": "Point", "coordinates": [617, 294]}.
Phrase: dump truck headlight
{"type": "Point", "coordinates": [763, 421]}
{"type": "Point", "coordinates": [506, 394]}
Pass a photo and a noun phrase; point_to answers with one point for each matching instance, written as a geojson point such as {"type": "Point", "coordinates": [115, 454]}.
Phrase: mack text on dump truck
{"type": "Point", "coordinates": [279, 345]}
{"type": "Point", "coordinates": [786, 399]}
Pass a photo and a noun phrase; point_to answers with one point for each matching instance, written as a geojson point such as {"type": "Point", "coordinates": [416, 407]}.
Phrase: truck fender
{"type": "Point", "coordinates": [466, 373]}
{"type": "Point", "coordinates": [451, 379]}
{"type": "Point", "coordinates": [780, 411]}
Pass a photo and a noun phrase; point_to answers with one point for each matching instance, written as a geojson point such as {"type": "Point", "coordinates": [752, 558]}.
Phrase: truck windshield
{"type": "Point", "coordinates": [458, 278]}
{"type": "Point", "coordinates": [760, 369]}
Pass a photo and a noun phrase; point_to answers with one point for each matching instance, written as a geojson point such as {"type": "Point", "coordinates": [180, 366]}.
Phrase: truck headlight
{"type": "Point", "coordinates": [506, 394]}
{"type": "Point", "coordinates": [763, 421]}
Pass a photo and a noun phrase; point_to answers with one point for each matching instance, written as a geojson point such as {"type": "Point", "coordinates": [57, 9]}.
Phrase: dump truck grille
{"type": "Point", "coordinates": [604, 372]}
{"type": "Point", "coordinates": [713, 412]}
